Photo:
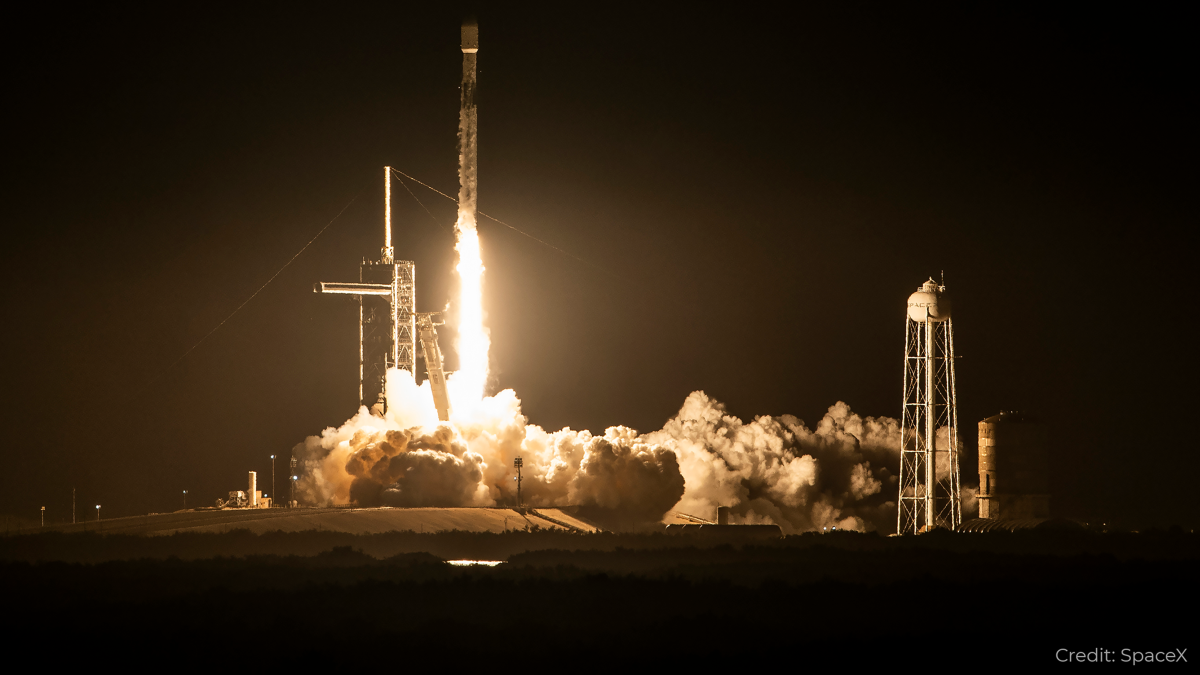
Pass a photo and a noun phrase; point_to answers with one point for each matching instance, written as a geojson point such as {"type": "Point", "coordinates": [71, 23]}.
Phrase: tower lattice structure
{"type": "Point", "coordinates": [387, 313]}
{"type": "Point", "coordinates": [929, 446]}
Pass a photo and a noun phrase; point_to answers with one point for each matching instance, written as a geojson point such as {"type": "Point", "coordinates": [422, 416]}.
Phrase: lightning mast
{"type": "Point", "coordinates": [929, 483]}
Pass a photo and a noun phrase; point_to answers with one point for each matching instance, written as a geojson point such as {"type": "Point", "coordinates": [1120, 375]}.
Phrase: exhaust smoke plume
{"type": "Point", "coordinates": [841, 473]}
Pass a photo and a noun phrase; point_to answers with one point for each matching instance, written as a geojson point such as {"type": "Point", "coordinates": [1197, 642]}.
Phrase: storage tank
{"type": "Point", "coordinates": [1014, 479]}
{"type": "Point", "coordinates": [930, 300]}
{"type": "Point", "coordinates": [252, 493]}
{"type": "Point", "coordinates": [723, 515]}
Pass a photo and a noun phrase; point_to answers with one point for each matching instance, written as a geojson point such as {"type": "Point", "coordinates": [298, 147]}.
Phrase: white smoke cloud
{"type": "Point", "coordinates": [842, 474]}
{"type": "Point", "coordinates": [775, 470]}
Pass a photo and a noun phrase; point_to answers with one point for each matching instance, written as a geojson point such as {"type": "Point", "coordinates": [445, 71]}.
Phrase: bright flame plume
{"type": "Point", "coordinates": [468, 383]}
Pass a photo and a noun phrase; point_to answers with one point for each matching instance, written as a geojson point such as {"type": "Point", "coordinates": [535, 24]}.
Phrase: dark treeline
{"type": "Point", "coordinates": [588, 600]}
{"type": "Point", "coordinates": [89, 547]}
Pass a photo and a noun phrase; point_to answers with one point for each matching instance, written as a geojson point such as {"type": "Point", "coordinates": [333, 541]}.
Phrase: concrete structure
{"type": "Point", "coordinates": [1013, 468]}
{"type": "Point", "coordinates": [350, 520]}
{"type": "Point", "coordinates": [253, 492]}
{"type": "Point", "coordinates": [929, 482]}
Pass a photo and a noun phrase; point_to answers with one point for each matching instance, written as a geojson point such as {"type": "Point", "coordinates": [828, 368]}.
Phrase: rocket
{"type": "Point", "coordinates": [468, 174]}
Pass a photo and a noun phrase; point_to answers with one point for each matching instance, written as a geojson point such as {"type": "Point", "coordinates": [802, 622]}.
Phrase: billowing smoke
{"type": "Point", "coordinates": [411, 468]}
{"type": "Point", "coordinates": [841, 473]}
{"type": "Point", "coordinates": [775, 470]}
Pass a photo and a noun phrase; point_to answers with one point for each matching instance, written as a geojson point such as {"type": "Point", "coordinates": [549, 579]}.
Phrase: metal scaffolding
{"type": "Point", "coordinates": [387, 328]}
{"type": "Point", "coordinates": [929, 480]}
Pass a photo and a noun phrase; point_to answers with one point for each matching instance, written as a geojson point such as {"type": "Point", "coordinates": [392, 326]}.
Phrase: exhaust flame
{"type": "Point", "coordinates": [466, 386]}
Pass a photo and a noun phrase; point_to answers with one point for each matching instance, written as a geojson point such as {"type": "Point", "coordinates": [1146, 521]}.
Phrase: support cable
{"type": "Point", "coordinates": [431, 216]}
{"type": "Point", "coordinates": [501, 222]}
{"type": "Point", "coordinates": [252, 296]}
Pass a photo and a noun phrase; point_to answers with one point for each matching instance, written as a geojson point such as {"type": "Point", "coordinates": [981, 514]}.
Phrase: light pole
{"type": "Point", "coordinates": [518, 464]}
{"type": "Point", "coordinates": [292, 486]}
{"type": "Point", "coordinates": [97, 513]}
{"type": "Point", "coordinates": [43, 516]}
{"type": "Point", "coordinates": [272, 477]}
{"type": "Point", "coordinates": [185, 500]}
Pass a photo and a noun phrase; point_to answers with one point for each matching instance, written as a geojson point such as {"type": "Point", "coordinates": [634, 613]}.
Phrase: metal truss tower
{"type": "Point", "coordinates": [929, 483]}
{"type": "Point", "coordinates": [387, 328]}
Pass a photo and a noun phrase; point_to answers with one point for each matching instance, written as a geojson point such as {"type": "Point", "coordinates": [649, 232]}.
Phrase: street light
{"type": "Point", "coordinates": [185, 500]}
{"type": "Point", "coordinates": [97, 513]}
{"type": "Point", "coordinates": [272, 475]}
{"type": "Point", "coordinates": [43, 516]}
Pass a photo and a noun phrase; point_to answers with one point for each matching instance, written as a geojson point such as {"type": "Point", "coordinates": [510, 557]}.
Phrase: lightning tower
{"type": "Point", "coordinates": [929, 481]}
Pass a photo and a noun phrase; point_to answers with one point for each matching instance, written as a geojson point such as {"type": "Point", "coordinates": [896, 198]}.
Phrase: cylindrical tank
{"type": "Point", "coordinates": [722, 515]}
{"type": "Point", "coordinates": [1014, 477]}
{"type": "Point", "coordinates": [252, 493]}
{"type": "Point", "coordinates": [931, 298]}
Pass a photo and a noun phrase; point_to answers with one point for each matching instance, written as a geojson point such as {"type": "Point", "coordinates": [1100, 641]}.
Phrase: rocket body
{"type": "Point", "coordinates": [468, 119]}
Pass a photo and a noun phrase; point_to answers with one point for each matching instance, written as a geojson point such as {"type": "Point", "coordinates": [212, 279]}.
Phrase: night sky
{"type": "Point", "coordinates": [747, 199]}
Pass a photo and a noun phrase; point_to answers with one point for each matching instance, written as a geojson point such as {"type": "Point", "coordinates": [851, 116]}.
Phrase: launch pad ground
{"type": "Point", "coordinates": [348, 520]}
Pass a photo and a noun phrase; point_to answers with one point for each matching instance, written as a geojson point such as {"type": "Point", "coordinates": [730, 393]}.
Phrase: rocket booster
{"type": "Point", "coordinates": [468, 176]}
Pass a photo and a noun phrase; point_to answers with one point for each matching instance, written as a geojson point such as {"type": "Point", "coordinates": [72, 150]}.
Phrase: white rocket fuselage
{"type": "Point", "coordinates": [468, 175]}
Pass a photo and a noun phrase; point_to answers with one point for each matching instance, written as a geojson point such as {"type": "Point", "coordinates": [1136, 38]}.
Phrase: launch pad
{"type": "Point", "coordinates": [348, 520]}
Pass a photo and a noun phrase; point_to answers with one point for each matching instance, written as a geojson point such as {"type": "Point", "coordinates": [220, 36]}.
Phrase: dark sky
{"type": "Point", "coordinates": [760, 192]}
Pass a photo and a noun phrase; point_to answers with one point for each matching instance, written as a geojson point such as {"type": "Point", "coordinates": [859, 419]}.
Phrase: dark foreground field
{"type": "Point", "coordinates": [587, 602]}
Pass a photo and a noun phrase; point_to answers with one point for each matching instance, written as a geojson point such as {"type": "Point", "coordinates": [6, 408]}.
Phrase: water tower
{"type": "Point", "coordinates": [929, 425]}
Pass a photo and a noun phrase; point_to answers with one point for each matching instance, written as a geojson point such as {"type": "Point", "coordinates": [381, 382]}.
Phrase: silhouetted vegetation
{"type": "Point", "coordinates": [565, 599]}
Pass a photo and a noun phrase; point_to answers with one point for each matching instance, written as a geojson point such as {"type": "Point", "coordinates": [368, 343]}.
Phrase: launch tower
{"type": "Point", "coordinates": [387, 329]}
{"type": "Point", "coordinates": [389, 326]}
{"type": "Point", "coordinates": [929, 484]}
